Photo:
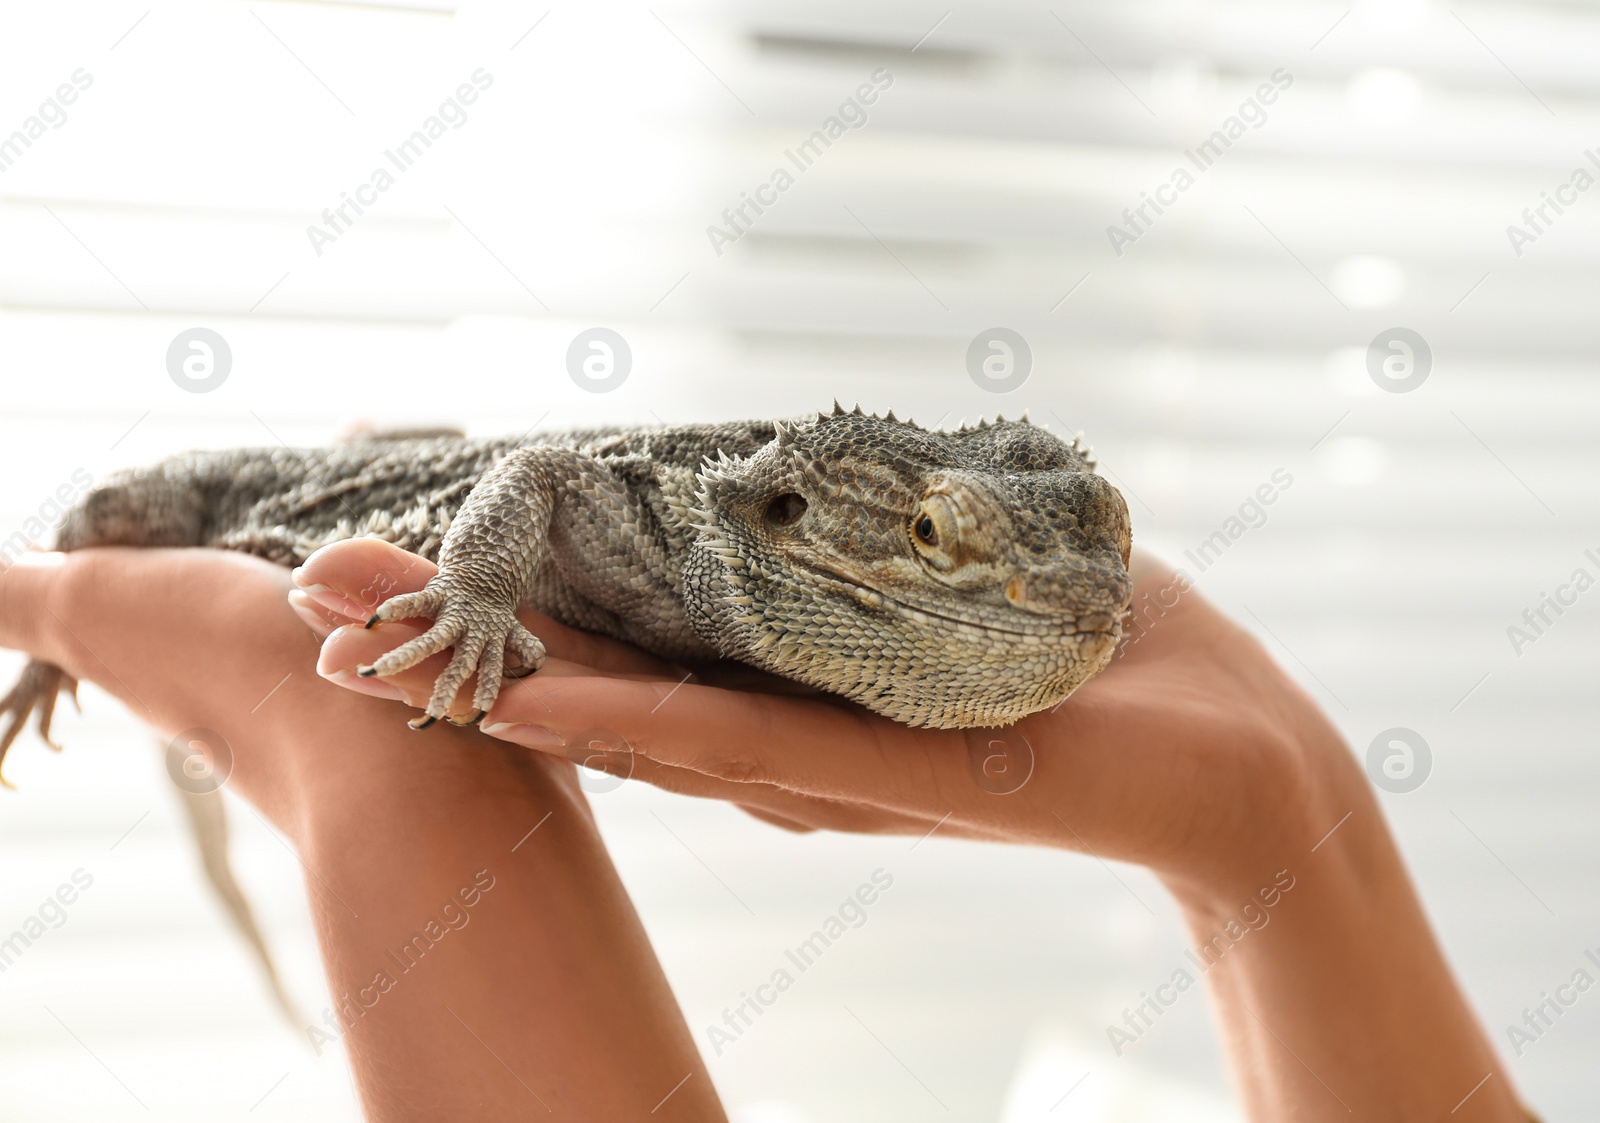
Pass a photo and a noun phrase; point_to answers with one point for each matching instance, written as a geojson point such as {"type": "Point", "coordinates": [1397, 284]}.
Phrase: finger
{"type": "Point", "coordinates": [323, 622]}
{"type": "Point", "coordinates": [355, 576]}
{"type": "Point", "coordinates": [742, 676]}
{"type": "Point", "coordinates": [816, 748]}
{"type": "Point", "coordinates": [764, 801]}
{"type": "Point", "coordinates": [795, 812]}
{"type": "Point", "coordinates": [354, 646]}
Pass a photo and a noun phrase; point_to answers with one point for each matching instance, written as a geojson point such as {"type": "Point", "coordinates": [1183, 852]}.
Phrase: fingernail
{"type": "Point", "coordinates": [330, 598]}
{"type": "Point", "coordinates": [373, 687]}
{"type": "Point", "coordinates": [524, 733]}
{"type": "Point", "coordinates": [306, 608]}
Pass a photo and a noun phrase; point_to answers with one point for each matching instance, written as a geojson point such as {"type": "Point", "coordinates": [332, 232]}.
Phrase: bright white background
{"type": "Point", "coordinates": [1227, 343]}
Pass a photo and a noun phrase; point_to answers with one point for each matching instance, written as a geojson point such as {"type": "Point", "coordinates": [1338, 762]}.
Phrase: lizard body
{"type": "Point", "coordinates": [946, 579]}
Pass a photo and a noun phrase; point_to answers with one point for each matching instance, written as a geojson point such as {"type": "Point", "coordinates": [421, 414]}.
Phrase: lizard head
{"type": "Point", "coordinates": [944, 579]}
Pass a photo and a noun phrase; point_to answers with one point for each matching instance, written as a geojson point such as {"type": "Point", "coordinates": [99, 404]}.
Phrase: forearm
{"type": "Point", "coordinates": [1334, 996]}
{"type": "Point", "coordinates": [535, 987]}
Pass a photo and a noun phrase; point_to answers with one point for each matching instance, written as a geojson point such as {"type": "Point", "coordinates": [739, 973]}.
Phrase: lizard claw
{"type": "Point", "coordinates": [479, 630]}
{"type": "Point", "coordinates": [36, 692]}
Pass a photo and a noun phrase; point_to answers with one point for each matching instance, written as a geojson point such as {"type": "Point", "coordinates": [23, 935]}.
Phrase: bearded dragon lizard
{"type": "Point", "coordinates": [944, 579]}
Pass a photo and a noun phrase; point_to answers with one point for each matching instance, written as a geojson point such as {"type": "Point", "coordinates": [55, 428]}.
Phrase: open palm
{"type": "Point", "coordinates": [1192, 732]}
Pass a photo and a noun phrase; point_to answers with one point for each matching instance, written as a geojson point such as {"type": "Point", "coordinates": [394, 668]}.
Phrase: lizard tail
{"type": "Point", "coordinates": [208, 819]}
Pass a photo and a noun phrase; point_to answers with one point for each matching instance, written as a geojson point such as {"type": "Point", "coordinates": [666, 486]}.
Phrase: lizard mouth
{"type": "Point", "coordinates": [877, 598]}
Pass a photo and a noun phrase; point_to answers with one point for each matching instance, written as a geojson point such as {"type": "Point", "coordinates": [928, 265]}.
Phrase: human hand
{"type": "Point", "coordinates": [389, 826]}
{"type": "Point", "coordinates": [201, 639]}
{"type": "Point", "coordinates": [1191, 752]}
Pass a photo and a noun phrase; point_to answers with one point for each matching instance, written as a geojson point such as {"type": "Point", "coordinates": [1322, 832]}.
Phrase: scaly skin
{"type": "Point", "coordinates": [940, 578]}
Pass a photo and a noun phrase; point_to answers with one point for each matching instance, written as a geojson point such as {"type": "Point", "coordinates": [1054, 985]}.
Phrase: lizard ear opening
{"type": "Point", "coordinates": [786, 509]}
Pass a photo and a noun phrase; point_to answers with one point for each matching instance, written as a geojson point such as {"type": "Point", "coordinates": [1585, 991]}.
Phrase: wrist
{"type": "Point", "coordinates": [1314, 935]}
{"type": "Point", "coordinates": [1298, 792]}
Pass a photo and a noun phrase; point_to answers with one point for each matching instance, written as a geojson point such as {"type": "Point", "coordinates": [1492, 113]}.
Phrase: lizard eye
{"type": "Point", "coordinates": [786, 509]}
{"type": "Point", "coordinates": [934, 532]}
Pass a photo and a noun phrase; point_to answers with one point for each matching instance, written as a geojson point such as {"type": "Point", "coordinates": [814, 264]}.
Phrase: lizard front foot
{"type": "Point", "coordinates": [475, 624]}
